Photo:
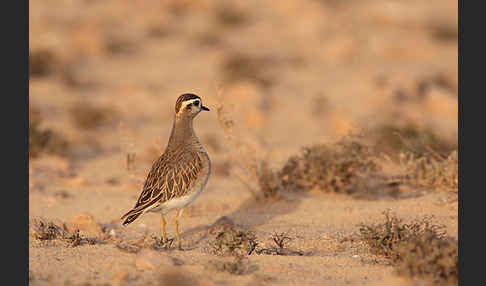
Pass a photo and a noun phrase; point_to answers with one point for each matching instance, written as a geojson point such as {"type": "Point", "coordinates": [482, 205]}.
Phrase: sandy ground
{"type": "Point", "coordinates": [322, 69]}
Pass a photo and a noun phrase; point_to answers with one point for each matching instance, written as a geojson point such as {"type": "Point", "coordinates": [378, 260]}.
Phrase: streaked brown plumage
{"type": "Point", "coordinates": [180, 173]}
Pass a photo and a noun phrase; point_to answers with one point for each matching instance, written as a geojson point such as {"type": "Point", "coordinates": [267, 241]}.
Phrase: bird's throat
{"type": "Point", "coordinates": [182, 133]}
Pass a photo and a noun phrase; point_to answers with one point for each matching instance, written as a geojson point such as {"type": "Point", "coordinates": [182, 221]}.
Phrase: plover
{"type": "Point", "coordinates": [180, 174]}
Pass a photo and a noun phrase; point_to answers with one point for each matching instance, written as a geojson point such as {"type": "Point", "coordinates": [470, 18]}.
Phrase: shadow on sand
{"type": "Point", "coordinates": [250, 214]}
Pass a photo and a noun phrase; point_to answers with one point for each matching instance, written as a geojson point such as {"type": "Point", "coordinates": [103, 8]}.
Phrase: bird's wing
{"type": "Point", "coordinates": [171, 176]}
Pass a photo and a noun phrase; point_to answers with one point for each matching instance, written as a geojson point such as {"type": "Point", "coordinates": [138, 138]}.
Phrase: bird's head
{"type": "Point", "coordinates": [189, 105]}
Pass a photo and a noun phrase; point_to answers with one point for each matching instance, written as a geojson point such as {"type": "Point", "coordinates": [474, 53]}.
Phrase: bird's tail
{"type": "Point", "coordinates": [130, 216]}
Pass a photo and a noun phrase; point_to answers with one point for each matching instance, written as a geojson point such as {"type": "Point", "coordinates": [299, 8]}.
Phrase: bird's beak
{"type": "Point", "coordinates": [204, 108]}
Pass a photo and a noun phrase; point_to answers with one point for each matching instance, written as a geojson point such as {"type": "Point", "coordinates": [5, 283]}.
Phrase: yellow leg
{"type": "Point", "coordinates": [162, 224]}
{"type": "Point", "coordinates": [176, 225]}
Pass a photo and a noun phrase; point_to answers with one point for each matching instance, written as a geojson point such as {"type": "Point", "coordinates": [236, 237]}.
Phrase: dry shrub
{"type": "Point", "coordinates": [44, 140]}
{"type": "Point", "coordinates": [44, 231]}
{"type": "Point", "coordinates": [349, 166]}
{"type": "Point", "coordinates": [432, 171]}
{"type": "Point", "coordinates": [393, 140]}
{"type": "Point", "coordinates": [88, 116]}
{"type": "Point", "coordinates": [431, 258]}
{"type": "Point", "coordinates": [338, 168]}
{"type": "Point", "coordinates": [333, 168]}
{"type": "Point", "coordinates": [268, 181]}
{"type": "Point", "coordinates": [427, 160]}
{"type": "Point", "coordinates": [230, 240]}
{"type": "Point", "coordinates": [419, 249]}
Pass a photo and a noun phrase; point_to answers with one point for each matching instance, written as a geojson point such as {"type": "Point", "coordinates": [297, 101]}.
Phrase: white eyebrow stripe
{"type": "Point", "coordinates": [185, 103]}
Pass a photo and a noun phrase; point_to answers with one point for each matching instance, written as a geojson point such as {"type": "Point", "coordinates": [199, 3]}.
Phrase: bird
{"type": "Point", "coordinates": [180, 174]}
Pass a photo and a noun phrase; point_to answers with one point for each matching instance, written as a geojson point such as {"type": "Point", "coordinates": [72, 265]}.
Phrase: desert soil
{"type": "Point", "coordinates": [318, 71]}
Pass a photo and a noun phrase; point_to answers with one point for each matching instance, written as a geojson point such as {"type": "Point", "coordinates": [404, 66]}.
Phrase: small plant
{"type": "Point", "coordinates": [43, 230]}
{"type": "Point", "coordinates": [227, 239]}
{"type": "Point", "coordinates": [419, 249]}
{"type": "Point", "coordinates": [46, 231]}
{"type": "Point", "coordinates": [234, 242]}
{"type": "Point", "coordinates": [279, 247]}
{"type": "Point", "coordinates": [279, 239]}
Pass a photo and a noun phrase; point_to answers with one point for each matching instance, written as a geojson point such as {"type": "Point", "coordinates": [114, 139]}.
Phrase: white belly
{"type": "Point", "coordinates": [178, 203]}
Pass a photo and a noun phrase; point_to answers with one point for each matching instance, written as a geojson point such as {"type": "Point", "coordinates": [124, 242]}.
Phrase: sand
{"type": "Point", "coordinates": [322, 69]}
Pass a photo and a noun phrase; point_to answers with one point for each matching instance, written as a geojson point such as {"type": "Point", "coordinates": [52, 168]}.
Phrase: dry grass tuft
{"type": "Point", "coordinates": [233, 241]}
{"type": "Point", "coordinates": [419, 249]}
{"type": "Point", "coordinates": [393, 140]}
{"type": "Point", "coordinates": [432, 171]}
{"type": "Point", "coordinates": [88, 116]}
{"type": "Point", "coordinates": [44, 231]}
{"type": "Point", "coordinates": [44, 140]}
{"type": "Point", "coordinates": [333, 168]}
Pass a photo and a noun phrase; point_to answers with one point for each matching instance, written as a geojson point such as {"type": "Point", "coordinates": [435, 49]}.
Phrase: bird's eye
{"type": "Point", "coordinates": [196, 103]}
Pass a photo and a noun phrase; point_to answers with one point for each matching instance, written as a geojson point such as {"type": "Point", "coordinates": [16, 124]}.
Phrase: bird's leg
{"type": "Point", "coordinates": [162, 224]}
{"type": "Point", "coordinates": [176, 225]}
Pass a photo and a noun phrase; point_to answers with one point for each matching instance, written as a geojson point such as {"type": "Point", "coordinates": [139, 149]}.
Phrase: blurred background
{"type": "Point", "coordinates": [289, 73]}
{"type": "Point", "coordinates": [104, 77]}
